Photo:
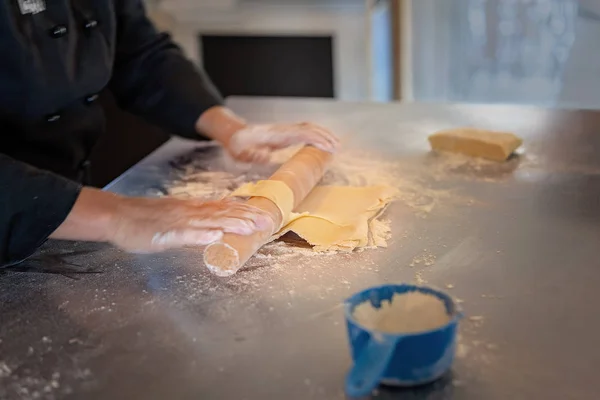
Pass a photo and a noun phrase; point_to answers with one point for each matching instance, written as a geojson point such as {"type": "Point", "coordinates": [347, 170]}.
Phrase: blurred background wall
{"type": "Point", "coordinates": [509, 51]}
{"type": "Point", "coordinates": [535, 52]}
{"type": "Point", "coordinates": [542, 52]}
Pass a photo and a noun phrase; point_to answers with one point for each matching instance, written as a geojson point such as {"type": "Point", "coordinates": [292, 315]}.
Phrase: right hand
{"type": "Point", "coordinates": [149, 225]}
{"type": "Point", "coordinates": [254, 143]}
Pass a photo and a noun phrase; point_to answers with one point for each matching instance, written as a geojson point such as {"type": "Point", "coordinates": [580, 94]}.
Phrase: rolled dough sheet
{"type": "Point", "coordinates": [276, 191]}
{"type": "Point", "coordinates": [331, 217]}
{"type": "Point", "coordinates": [496, 146]}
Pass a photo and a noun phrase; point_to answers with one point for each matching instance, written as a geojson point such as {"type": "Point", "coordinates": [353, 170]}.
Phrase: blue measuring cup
{"type": "Point", "coordinates": [407, 359]}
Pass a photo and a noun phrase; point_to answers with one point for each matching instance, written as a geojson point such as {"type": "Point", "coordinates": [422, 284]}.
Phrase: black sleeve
{"type": "Point", "coordinates": [33, 203]}
{"type": "Point", "coordinates": [152, 77]}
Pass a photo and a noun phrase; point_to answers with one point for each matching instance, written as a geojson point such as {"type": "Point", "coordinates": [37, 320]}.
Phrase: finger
{"type": "Point", "coordinates": [228, 214]}
{"type": "Point", "coordinates": [325, 147]}
{"type": "Point", "coordinates": [312, 138]}
{"type": "Point", "coordinates": [232, 216]}
{"type": "Point", "coordinates": [260, 155]}
{"type": "Point", "coordinates": [231, 206]}
{"type": "Point", "coordinates": [253, 155]}
{"type": "Point", "coordinates": [261, 218]}
{"type": "Point", "coordinates": [295, 136]}
{"type": "Point", "coordinates": [324, 132]}
{"type": "Point", "coordinates": [332, 141]}
{"type": "Point", "coordinates": [179, 238]}
{"type": "Point", "coordinates": [227, 224]}
{"type": "Point", "coordinates": [314, 131]}
{"type": "Point", "coordinates": [277, 136]}
{"type": "Point", "coordinates": [243, 156]}
{"type": "Point", "coordinates": [235, 225]}
{"type": "Point", "coordinates": [207, 237]}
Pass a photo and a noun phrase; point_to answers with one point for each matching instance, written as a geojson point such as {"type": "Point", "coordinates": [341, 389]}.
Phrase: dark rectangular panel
{"type": "Point", "coordinates": [270, 65]}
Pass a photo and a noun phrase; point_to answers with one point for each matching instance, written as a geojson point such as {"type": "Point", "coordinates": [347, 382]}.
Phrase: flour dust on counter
{"type": "Point", "coordinates": [199, 178]}
{"type": "Point", "coordinates": [426, 259]}
{"type": "Point", "coordinates": [443, 167]}
{"type": "Point", "coordinates": [216, 176]}
{"type": "Point", "coordinates": [421, 183]}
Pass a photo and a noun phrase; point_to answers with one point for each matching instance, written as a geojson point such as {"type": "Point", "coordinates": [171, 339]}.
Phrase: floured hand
{"type": "Point", "coordinates": [254, 143]}
{"type": "Point", "coordinates": [150, 225]}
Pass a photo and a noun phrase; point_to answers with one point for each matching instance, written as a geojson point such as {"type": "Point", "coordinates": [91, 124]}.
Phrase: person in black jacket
{"type": "Point", "coordinates": [57, 57]}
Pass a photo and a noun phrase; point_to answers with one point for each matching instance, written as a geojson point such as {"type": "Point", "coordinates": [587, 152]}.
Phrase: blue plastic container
{"type": "Point", "coordinates": [409, 359]}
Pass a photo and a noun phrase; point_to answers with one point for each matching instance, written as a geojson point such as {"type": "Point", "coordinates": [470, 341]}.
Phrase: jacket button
{"type": "Point", "coordinates": [90, 24]}
{"type": "Point", "coordinates": [58, 31]}
{"type": "Point", "coordinates": [53, 117]}
{"type": "Point", "coordinates": [91, 98]}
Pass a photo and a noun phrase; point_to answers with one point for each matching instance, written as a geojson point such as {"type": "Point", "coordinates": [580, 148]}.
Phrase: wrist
{"type": "Point", "coordinates": [220, 123]}
{"type": "Point", "coordinates": [92, 218]}
{"type": "Point", "coordinates": [110, 213]}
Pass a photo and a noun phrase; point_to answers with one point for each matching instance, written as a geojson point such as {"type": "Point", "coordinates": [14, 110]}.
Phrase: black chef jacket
{"type": "Point", "coordinates": [57, 55]}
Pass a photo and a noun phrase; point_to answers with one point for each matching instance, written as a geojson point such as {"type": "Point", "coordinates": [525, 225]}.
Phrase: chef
{"type": "Point", "coordinates": [57, 56]}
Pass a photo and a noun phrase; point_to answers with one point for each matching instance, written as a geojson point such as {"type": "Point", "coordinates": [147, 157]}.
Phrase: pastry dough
{"type": "Point", "coordinates": [331, 217]}
{"type": "Point", "coordinates": [497, 146]}
{"type": "Point", "coordinates": [276, 191]}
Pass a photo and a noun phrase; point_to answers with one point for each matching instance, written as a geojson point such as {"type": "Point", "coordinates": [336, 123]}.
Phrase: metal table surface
{"type": "Point", "coordinates": [523, 253]}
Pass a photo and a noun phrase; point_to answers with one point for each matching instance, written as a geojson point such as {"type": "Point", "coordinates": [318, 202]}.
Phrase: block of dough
{"type": "Point", "coordinates": [496, 146]}
{"type": "Point", "coordinates": [331, 217]}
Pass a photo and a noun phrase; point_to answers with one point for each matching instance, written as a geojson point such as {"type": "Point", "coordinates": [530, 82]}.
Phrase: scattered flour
{"type": "Point", "coordinates": [426, 259]}
{"type": "Point", "coordinates": [443, 165]}
{"type": "Point", "coordinates": [380, 232]}
{"type": "Point", "coordinates": [5, 370]}
{"type": "Point", "coordinates": [195, 178]}
{"type": "Point", "coordinates": [205, 184]}
{"type": "Point", "coordinates": [205, 173]}
{"type": "Point", "coordinates": [407, 312]}
{"type": "Point", "coordinates": [419, 278]}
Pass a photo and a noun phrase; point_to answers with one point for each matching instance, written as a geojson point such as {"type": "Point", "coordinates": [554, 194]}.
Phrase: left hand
{"type": "Point", "coordinates": [254, 143]}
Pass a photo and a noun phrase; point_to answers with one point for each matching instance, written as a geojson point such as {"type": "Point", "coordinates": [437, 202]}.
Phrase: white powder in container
{"type": "Point", "coordinates": [407, 312]}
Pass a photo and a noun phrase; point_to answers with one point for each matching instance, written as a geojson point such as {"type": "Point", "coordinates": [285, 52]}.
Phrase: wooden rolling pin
{"type": "Point", "coordinates": [300, 173]}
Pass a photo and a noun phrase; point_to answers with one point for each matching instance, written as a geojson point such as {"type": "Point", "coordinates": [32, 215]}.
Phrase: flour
{"type": "Point", "coordinates": [416, 178]}
{"type": "Point", "coordinates": [380, 232]}
{"type": "Point", "coordinates": [24, 386]}
{"type": "Point", "coordinates": [419, 278]}
{"type": "Point", "coordinates": [406, 313]}
{"type": "Point", "coordinates": [207, 174]}
{"type": "Point", "coordinates": [205, 184]}
{"type": "Point", "coordinates": [5, 370]}
{"type": "Point", "coordinates": [194, 178]}
{"type": "Point", "coordinates": [426, 259]}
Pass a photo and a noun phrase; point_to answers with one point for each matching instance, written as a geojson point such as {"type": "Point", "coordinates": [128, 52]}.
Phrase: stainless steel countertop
{"type": "Point", "coordinates": [525, 255]}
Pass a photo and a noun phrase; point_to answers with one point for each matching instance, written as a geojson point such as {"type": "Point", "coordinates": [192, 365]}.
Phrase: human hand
{"type": "Point", "coordinates": [254, 143]}
{"type": "Point", "coordinates": [150, 225]}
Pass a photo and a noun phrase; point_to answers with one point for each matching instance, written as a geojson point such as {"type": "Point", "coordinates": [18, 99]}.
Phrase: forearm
{"type": "Point", "coordinates": [90, 218]}
{"type": "Point", "coordinates": [219, 123]}
{"type": "Point", "coordinates": [148, 225]}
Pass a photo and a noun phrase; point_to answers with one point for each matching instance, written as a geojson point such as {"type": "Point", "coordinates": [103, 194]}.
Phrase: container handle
{"type": "Point", "coordinates": [370, 365]}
